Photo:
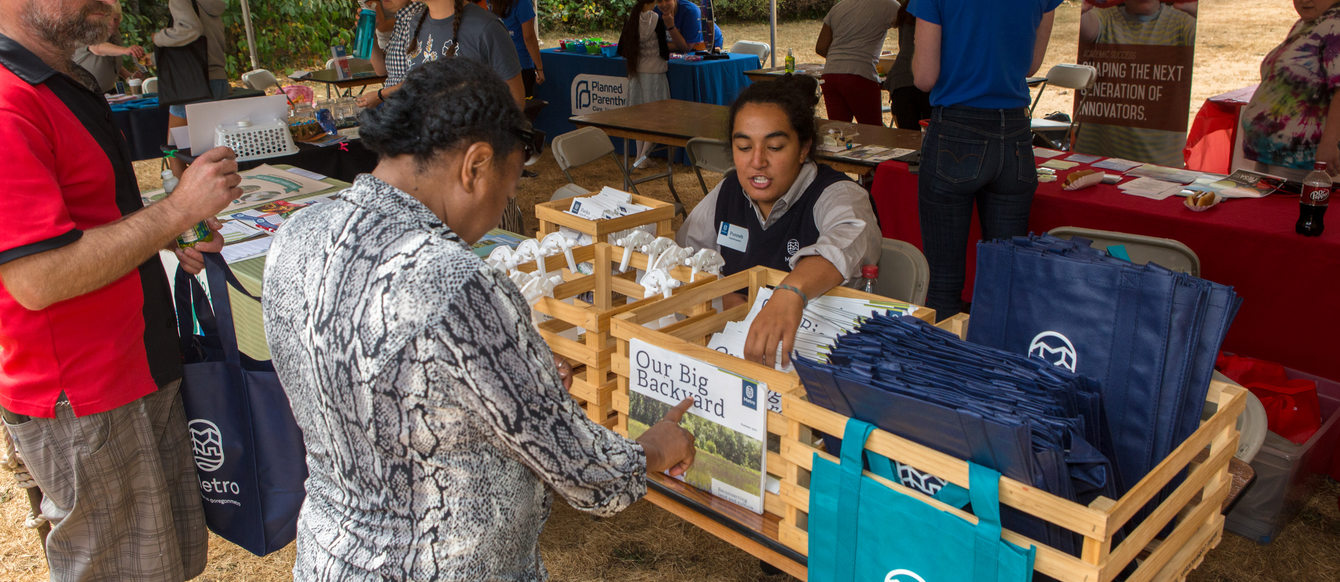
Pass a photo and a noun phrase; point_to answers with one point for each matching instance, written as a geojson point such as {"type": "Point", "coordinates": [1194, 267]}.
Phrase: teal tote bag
{"type": "Point", "coordinates": [860, 530]}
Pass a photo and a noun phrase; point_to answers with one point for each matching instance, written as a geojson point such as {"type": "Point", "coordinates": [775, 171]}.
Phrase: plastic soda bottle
{"type": "Point", "coordinates": [198, 233]}
{"type": "Point", "coordinates": [790, 61]}
{"type": "Point", "coordinates": [1312, 203]}
{"type": "Point", "coordinates": [365, 33]}
{"type": "Point", "coordinates": [869, 273]}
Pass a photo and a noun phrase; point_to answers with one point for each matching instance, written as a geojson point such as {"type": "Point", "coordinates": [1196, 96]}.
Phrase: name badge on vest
{"type": "Point", "coordinates": [733, 237]}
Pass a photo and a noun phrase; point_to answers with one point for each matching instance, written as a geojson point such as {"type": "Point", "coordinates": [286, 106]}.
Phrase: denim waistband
{"type": "Point", "coordinates": [974, 113]}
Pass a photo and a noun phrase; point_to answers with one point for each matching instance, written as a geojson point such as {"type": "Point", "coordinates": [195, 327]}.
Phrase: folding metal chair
{"type": "Point", "coordinates": [760, 49]}
{"type": "Point", "coordinates": [709, 154]}
{"type": "Point", "coordinates": [1165, 252]}
{"type": "Point", "coordinates": [1070, 76]}
{"type": "Point", "coordinates": [904, 273]}
{"type": "Point", "coordinates": [259, 79]}
{"type": "Point", "coordinates": [583, 146]}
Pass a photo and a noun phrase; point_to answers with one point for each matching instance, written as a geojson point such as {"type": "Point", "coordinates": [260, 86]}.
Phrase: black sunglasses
{"type": "Point", "coordinates": [532, 142]}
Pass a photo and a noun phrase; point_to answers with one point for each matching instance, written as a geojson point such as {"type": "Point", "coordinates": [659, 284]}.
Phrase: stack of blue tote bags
{"type": "Point", "coordinates": [1147, 335]}
{"type": "Point", "coordinates": [1020, 416]}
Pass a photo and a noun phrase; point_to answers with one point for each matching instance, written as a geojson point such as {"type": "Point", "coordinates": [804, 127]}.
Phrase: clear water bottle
{"type": "Point", "coordinates": [198, 233]}
{"type": "Point", "coordinates": [790, 61]}
{"type": "Point", "coordinates": [1312, 203]}
{"type": "Point", "coordinates": [365, 33]}
{"type": "Point", "coordinates": [869, 274]}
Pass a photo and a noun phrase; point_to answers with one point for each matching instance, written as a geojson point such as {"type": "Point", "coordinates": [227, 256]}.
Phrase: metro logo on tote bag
{"type": "Point", "coordinates": [249, 454]}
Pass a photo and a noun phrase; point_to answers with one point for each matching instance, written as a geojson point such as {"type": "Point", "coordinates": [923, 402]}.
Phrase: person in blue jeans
{"type": "Point", "coordinates": [973, 56]}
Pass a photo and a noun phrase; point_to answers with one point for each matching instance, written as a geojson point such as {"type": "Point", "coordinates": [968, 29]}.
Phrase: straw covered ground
{"type": "Point", "coordinates": [646, 543]}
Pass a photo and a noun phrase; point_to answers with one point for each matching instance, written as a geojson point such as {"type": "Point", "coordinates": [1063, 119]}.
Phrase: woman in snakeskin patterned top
{"type": "Point", "coordinates": [435, 423]}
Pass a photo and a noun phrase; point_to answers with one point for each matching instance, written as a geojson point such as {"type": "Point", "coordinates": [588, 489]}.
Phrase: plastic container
{"type": "Point", "coordinates": [610, 50]}
{"type": "Point", "coordinates": [1287, 474]}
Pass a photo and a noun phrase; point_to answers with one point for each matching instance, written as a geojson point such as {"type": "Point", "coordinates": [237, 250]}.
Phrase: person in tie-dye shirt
{"type": "Point", "coordinates": [1292, 119]}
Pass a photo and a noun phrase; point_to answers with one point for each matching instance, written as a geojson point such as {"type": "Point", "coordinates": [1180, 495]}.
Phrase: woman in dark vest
{"type": "Point", "coordinates": [780, 209]}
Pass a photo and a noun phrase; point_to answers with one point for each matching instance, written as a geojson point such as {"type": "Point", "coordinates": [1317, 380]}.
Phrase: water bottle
{"type": "Point", "coordinates": [790, 62]}
{"type": "Point", "coordinates": [1312, 203]}
{"type": "Point", "coordinates": [869, 274]}
{"type": "Point", "coordinates": [365, 33]}
{"type": "Point", "coordinates": [196, 234]}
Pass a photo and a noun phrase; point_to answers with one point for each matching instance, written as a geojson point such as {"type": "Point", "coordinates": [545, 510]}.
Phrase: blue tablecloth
{"type": "Point", "coordinates": [144, 124]}
{"type": "Point", "coordinates": [716, 81]}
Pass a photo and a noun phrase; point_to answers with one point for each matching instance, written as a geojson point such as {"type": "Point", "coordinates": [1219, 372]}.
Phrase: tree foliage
{"type": "Point", "coordinates": [289, 33]}
{"type": "Point", "coordinates": [576, 16]}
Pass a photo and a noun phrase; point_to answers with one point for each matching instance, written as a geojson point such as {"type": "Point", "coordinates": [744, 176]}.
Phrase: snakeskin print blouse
{"type": "Point", "coordinates": [434, 421]}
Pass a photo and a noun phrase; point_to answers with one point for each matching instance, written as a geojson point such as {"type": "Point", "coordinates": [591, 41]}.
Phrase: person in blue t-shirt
{"type": "Point", "coordinates": [519, 18]}
{"type": "Point", "coordinates": [974, 57]}
{"type": "Point", "coordinates": [687, 33]}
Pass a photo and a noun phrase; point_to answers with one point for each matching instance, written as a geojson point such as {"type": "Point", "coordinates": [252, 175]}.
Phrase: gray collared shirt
{"type": "Point", "coordinates": [849, 235]}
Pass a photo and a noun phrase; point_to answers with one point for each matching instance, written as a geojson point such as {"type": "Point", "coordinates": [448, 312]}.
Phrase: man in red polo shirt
{"type": "Point", "coordinates": [89, 363]}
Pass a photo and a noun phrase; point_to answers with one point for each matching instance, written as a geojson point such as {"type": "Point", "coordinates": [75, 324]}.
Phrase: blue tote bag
{"type": "Point", "coordinates": [861, 530]}
{"type": "Point", "coordinates": [248, 449]}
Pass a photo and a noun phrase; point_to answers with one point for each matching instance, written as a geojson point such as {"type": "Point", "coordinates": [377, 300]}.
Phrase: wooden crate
{"type": "Point", "coordinates": [780, 538]}
{"type": "Point", "coordinates": [611, 293]}
{"type": "Point", "coordinates": [553, 214]}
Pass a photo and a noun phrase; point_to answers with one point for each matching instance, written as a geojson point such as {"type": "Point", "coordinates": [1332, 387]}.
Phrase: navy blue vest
{"type": "Point", "coordinates": [772, 247]}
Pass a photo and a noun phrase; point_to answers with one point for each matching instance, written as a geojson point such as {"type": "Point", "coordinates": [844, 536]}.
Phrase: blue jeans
{"type": "Point", "coordinates": [970, 154]}
{"type": "Point", "coordinates": [218, 88]}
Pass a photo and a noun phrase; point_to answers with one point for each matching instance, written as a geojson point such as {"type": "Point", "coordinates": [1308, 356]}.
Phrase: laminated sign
{"type": "Point", "coordinates": [727, 419]}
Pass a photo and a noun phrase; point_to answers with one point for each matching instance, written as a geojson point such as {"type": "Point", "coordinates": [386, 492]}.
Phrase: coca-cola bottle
{"type": "Point", "coordinates": [1312, 203]}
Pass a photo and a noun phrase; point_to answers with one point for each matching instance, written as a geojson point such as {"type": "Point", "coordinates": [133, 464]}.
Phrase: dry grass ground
{"type": "Point", "coordinates": [646, 543]}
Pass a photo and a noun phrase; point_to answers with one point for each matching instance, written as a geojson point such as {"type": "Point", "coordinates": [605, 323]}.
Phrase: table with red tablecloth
{"type": "Point", "coordinates": [1287, 281]}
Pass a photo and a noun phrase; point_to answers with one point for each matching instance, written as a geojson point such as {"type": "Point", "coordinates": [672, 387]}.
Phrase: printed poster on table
{"type": "Point", "coordinates": [727, 419]}
{"type": "Point", "coordinates": [1144, 51]}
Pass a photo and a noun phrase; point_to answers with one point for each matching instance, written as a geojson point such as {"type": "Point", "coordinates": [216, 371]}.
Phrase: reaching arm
{"type": "Point", "coordinates": [926, 59]}
{"type": "Point", "coordinates": [777, 322]}
{"type": "Point", "coordinates": [1044, 36]}
{"type": "Point", "coordinates": [107, 49]}
{"type": "Point", "coordinates": [106, 253]}
{"type": "Point", "coordinates": [825, 40]}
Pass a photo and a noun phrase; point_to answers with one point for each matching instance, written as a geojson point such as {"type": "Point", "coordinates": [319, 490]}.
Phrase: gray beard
{"type": "Point", "coordinates": [67, 34]}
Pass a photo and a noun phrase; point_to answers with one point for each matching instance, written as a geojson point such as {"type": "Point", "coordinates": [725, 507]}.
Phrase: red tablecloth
{"type": "Point", "coordinates": [1209, 143]}
{"type": "Point", "coordinates": [1287, 282]}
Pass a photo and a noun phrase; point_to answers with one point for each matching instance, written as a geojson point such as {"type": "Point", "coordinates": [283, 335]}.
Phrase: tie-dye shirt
{"type": "Point", "coordinates": [1284, 120]}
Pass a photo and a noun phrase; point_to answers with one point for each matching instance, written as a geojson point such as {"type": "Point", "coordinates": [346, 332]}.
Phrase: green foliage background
{"type": "Point", "coordinates": [573, 16]}
{"type": "Point", "coordinates": [293, 34]}
{"type": "Point", "coordinates": [290, 34]}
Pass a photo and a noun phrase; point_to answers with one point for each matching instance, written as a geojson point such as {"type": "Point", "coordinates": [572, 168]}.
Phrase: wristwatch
{"type": "Point", "coordinates": [379, 94]}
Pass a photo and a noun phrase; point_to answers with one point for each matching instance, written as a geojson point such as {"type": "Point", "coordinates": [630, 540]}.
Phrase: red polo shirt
{"type": "Point", "coordinates": [65, 169]}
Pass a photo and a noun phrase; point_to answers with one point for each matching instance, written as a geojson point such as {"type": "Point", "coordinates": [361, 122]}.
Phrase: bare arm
{"type": "Point", "coordinates": [777, 322]}
{"type": "Point", "coordinates": [1328, 151]}
{"type": "Point", "coordinates": [532, 40]}
{"type": "Point", "coordinates": [107, 49]}
{"type": "Point", "coordinates": [926, 59]}
{"type": "Point", "coordinates": [825, 40]}
{"type": "Point", "coordinates": [1044, 36]}
{"type": "Point", "coordinates": [106, 253]}
{"type": "Point", "coordinates": [518, 90]}
{"type": "Point", "coordinates": [1088, 23]}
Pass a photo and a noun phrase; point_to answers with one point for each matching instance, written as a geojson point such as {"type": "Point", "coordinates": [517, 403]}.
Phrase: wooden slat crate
{"type": "Point", "coordinates": [611, 293]}
{"type": "Point", "coordinates": [780, 537]}
{"type": "Point", "coordinates": [553, 214]}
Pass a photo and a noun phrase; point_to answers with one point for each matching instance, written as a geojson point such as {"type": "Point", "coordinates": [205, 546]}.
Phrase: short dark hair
{"type": "Point", "coordinates": [797, 95]}
{"type": "Point", "coordinates": [443, 105]}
